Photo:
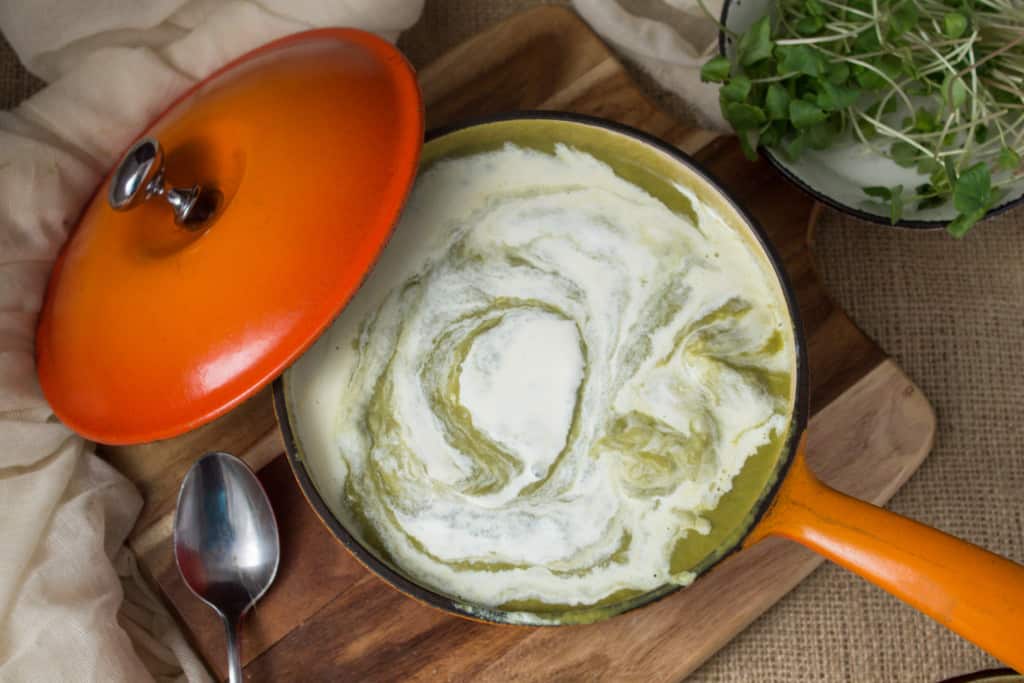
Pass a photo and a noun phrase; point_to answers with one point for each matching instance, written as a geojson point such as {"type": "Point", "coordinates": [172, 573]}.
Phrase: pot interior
{"type": "Point", "coordinates": [656, 168]}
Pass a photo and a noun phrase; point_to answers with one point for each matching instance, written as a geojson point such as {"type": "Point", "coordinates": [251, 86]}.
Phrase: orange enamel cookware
{"type": "Point", "coordinates": [967, 589]}
{"type": "Point", "coordinates": [976, 593]}
{"type": "Point", "coordinates": [283, 174]}
{"type": "Point", "coordinates": [247, 215]}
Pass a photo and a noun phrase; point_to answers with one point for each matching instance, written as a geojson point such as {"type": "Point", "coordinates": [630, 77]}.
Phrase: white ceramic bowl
{"type": "Point", "coordinates": [837, 175]}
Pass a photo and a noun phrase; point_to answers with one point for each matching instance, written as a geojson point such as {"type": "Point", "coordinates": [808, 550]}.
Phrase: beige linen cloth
{"type": "Point", "coordinates": [668, 39]}
{"type": "Point", "coordinates": [65, 513]}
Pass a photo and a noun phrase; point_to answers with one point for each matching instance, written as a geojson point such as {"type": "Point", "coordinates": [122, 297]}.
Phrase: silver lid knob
{"type": "Point", "coordinates": [140, 175]}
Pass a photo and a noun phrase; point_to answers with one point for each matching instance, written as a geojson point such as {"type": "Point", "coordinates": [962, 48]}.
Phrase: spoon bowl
{"type": "Point", "coordinates": [226, 542]}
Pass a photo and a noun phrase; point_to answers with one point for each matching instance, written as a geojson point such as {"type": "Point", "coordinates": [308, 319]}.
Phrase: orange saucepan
{"type": "Point", "coordinates": [974, 592]}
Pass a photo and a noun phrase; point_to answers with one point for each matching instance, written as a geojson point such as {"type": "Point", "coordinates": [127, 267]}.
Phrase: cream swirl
{"type": "Point", "coordinates": [547, 381]}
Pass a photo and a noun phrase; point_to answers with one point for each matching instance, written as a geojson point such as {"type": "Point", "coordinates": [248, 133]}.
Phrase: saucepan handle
{"type": "Point", "coordinates": [972, 591]}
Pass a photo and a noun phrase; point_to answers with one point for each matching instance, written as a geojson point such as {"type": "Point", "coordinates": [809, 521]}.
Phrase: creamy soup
{"type": "Point", "coordinates": [548, 383]}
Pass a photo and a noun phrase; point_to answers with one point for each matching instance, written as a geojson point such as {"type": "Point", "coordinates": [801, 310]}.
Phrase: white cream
{"type": "Point", "coordinates": [528, 399]}
{"type": "Point", "coordinates": [508, 368]}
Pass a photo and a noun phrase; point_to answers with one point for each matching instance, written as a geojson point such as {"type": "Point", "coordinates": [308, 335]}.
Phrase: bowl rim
{"type": "Point", "coordinates": [797, 426]}
{"type": "Point", "coordinates": [903, 223]}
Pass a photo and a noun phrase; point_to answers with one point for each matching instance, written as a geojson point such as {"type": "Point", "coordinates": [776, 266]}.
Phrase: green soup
{"type": "Point", "coordinates": [566, 385]}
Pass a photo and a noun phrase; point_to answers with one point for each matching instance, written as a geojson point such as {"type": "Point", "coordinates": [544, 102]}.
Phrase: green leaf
{"type": "Point", "coordinates": [746, 145]}
{"type": "Point", "coordinates": [763, 69]}
{"type": "Point", "coordinates": [867, 41]}
{"type": "Point", "coordinates": [878, 191]}
{"type": "Point", "coordinates": [981, 133]}
{"type": "Point", "coordinates": [925, 121]}
{"type": "Point", "coordinates": [896, 205]}
{"type": "Point", "coordinates": [903, 18]}
{"type": "Point", "coordinates": [756, 44]}
{"type": "Point", "coordinates": [804, 114]}
{"type": "Point", "coordinates": [1008, 159]}
{"type": "Point", "coordinates": [736, 90]}
{"type": "Point", "coordinates": [776, 102]}
{"type": "Point", "coordinates": [928, 165]}
{"type": "Point", "coordinates": [799, 59]}
{"type": "Point", "coordinates": [743, 116]}
{"type": "Point", "coordinates": [950, 170]}
{"type": "Point", "coordinates": [821, 136]}
{"type": "Point", "coordinates": [964, 222]}
{"type": "Point", "coordinates": [838, 73]}
{"type": "Point", "coordinates": [954, 91]}
{"type": "Point", "coordinates": [954, 25]}
{"type": "Point", "coordinates": [836, 97]}
{"type": "Point", "coordinates": [904, 153]}
{"type": "Point", "coordinates": [772, 135]}
{"type": "Point", "coordinates": [809, 26]}
{"type": "Point", "coordinates": [715, 70]}
{"type": "Point", "coordinates": [892, 66]}
{"type": "Point", "coordinates": [930, 203]}
{"type": "Point", "coordinates": [893, 196]}
{"type": "Point", "coordinates": [814, 8]}
{"type": "Point", "coordinates": [973, 190]}
{"type": "Point", "coordinates": [868, 78]}
{"type": "Point", "coordinates": [940, 181]}
{"type": "Point", "coordinates": [794, 147]}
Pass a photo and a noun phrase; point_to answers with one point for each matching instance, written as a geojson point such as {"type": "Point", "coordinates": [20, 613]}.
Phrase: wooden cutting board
{"type": "Point", "coordinates": [327, 618]}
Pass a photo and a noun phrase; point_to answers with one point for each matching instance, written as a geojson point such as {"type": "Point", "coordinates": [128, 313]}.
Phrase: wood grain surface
{"type": "Point", "coordinates": [328, 618]}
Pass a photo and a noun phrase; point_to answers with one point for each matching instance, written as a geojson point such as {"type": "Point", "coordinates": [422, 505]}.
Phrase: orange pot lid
{"type": "Point", "coordinates": [291, 165]}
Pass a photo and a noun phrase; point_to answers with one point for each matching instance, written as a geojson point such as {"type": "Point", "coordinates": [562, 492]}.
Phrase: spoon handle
{"type": "Point", "coordinates": [234, 649]}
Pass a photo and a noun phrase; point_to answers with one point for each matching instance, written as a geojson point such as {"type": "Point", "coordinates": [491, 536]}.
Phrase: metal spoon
{"type": "Point", "coordinates": [225, 542]}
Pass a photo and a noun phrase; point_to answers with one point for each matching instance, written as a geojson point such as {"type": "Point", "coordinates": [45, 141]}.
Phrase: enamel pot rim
{"type": "Point", "coordinates": [797, 425]}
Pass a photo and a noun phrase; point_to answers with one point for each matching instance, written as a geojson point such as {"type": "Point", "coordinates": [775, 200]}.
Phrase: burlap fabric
{"type": "Point", "coordinates": [952, 314]}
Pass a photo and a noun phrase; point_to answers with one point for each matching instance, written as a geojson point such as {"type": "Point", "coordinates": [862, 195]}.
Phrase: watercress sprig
{"type": "Point", "coordinates": [934, 85]}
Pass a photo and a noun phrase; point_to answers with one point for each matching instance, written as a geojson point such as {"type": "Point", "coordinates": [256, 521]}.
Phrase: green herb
{"type": "Point", "coordinates": [756, 44]}
{"type": "Point", "coordinates": [954, 91]}
{"type": "Point", "coordinates": [892, 196]}
{"type": "Point", "coordinates": [804, 114]}
{"type": "Point", "coordinates": [1009, 160]}
{"type": "Point", "coordinates": [808, 26]}
{"type": "Point", "coordinates": [935, 85]}
{"type": "Point", "coordinates": [836, 97]}
{"type": "Point", "coordinates": [799, 59]}
{"type": "Point", "coordinates": [715, 70]}
{"type": "Point", "coordinates": [902, 18]}
{"type": "Point", "coordinates": [736, 90]}
{"type": "Point", "coordinates": [903, 153]}
{"type": "Point", "coordinates": [954, 24]}
{"type": "Point", "coordinates": [776, 102]}
{"type": "Point", "coordinates": [973, 190]}
{"type": "Point", "coordinates": [743, 116]}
